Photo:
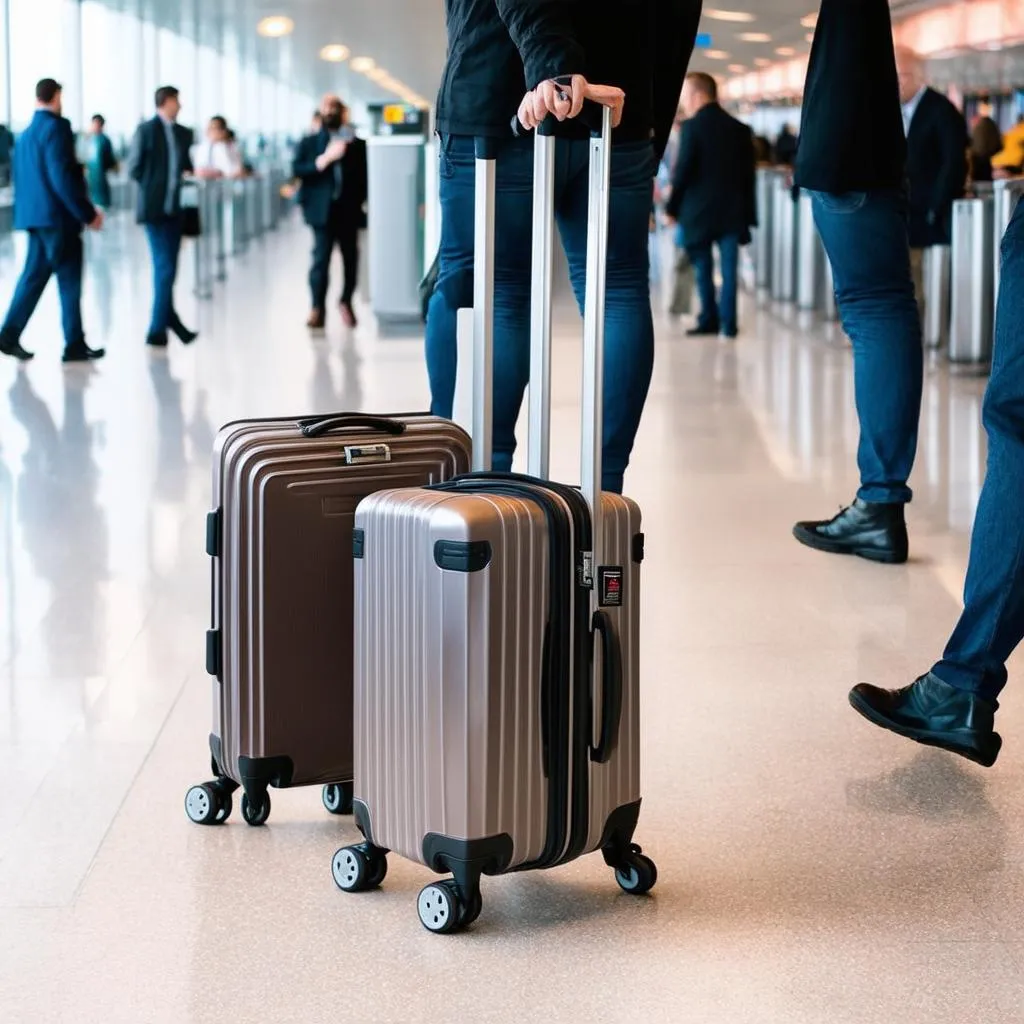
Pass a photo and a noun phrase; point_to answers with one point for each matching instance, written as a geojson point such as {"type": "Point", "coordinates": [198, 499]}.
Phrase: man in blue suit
{"type": "Point", "coordinates": [52, 205]}
{"type": "Point", "coordinates": [158, 161]}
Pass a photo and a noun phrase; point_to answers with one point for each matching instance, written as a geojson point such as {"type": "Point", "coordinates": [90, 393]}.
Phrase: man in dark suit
{"type": "Point", "coordinates": [936, 161]}
{"type": "Point", "coordinates": [331, 166]}
{"type": "Point", "coordinates": [51, 204]}
{"type": "Point", "coordinates": [713, 198]}
{"type": "Point", "coordinates": [159, 158]}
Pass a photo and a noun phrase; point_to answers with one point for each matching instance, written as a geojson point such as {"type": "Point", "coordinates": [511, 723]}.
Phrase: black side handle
{"type": "Point", "coordinates": [317, 428]}
{"type": "Point", "coordinates": [611, 688]}
{"type": "Point", "coordinates": [546, 695]}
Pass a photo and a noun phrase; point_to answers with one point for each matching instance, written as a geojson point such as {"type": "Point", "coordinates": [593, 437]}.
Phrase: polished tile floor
{"type": "Point", "coordinates": [812, 869]}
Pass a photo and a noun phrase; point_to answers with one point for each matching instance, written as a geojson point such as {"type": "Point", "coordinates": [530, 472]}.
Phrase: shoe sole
{"type": "Point", "coordinates": [811, 540]}
{"type": "Point", "coordinates": [944, 741]}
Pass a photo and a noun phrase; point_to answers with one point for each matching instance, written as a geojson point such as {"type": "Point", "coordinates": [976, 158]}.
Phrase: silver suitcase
{"type": "Point", "coordinates": [497, 633]}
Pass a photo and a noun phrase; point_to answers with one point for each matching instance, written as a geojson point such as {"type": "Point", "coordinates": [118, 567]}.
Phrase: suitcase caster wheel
{"type": "Point", "coordinates": [472, 912]}
{"type": "Point", "coordinates": [207, 804]}
{"type": "Point", "coordinates": [255, 813]}
{"type": "Point", "coordinates": [351, 869]}
{"type": "Point", "coordinates": [637, 874]}
{"type": "Point", "coordinates": [337, 798]}
{"type": "Point", "coordinates": [439, 908]}
{"type": "Point", "coordinates": [378, 870]}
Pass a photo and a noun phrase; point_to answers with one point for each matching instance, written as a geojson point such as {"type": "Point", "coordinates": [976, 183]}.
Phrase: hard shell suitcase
{"type": "Point", "coordinates": [497, 634]}
{"type": "Point", "coordinates": [279, 648]}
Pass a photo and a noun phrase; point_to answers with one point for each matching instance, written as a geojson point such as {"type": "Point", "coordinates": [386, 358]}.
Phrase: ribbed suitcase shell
{"type": "Point", "coordinates": [447, 674]}
{"type": "Point", "coordinates": [282, 581]}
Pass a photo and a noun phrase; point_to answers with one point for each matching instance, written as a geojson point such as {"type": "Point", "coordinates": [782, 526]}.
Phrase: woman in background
{"type": "Point", "coordinates": [986, 141]}
{"type": "Point", "coordinates": [101, 161]}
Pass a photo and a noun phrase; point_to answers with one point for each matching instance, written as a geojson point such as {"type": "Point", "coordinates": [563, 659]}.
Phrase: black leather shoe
{"type": "Point", "coordinates": [79, 352]}
{"type": "Point", "coordinates": [702, 332]}
{"type": "Point", "coordinates": [183, 334]}
{"type": "Point", "coordinates": [10, 346]}
{"type": "Point", "coordinates": [936, 714]}
{"type": "Point", "coordinates": [158, 340]}
{"type": "Point", "coordinates": [869, 530]}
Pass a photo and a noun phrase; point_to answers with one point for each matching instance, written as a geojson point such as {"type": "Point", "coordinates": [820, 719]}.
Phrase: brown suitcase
{"type": "Point", "coordinates": [497, 640]}
{"type": "Point", "coordinates": [280, 644]}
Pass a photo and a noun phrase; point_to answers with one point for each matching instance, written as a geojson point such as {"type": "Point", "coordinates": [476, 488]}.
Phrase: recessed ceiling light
{"type": "Point", "coordinates": [716, 54]}
{"type": "Point", "coordinates": [738, 16]}
{"type": "Point", "coordinates": [363, 64]}
{"type": "Point", "coordinates": [275, 26]}
{"type": "Point", "coordinates": [786, 51]}
{"type": "Point", "coordinates": [755, 37]}
{"type": "Point", "coordinates": [334, 52]}
{"type": "Point", "coordinates": [377, 74]}
{"type": "Point", "coordinates": [737, 69]}
{"type": "Point", "coordinates": [762, 62]}
{"type": "Point", "coordinates": [809, 20]}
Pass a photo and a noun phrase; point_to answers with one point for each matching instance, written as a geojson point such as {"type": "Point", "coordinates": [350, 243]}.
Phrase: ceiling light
{"type": "Point", "coordinates": [737, 69]}
{"type": "Point", "coordinates": [716, 55]}
{"type": "Point", "coordinates": [809, 20]}
{"type": "Point", "coordinates": [786, 51]}
{"type": "Point", "coordinates": [762, 62]}
{"type": "Point", "coordinates": [275, 26]}
{"type": "Point", "coordinates": [377, 74]}
{"type": "Point", "coordinates": [363, 64]}
{"type": "Point", "coordinates": [738, 16]}
{"type": "Point", "coordinates": [334, 52]}
{"type": "Point", "coordinates": [755, 37]}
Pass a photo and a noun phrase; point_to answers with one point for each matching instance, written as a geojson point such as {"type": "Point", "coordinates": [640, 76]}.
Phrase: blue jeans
{"type": "Point", "coordinates": [629, 329]}
{"type": "Point", "coordinates": [712, 314]}
{"type": "Point", "coordinates": [865, 236]}
{"type": "Point", "coordinates": [164, 245]}
{"type": "Point", "coordinates": [992, 623]}
{"type": "Point", "coordinates": [49, 252]}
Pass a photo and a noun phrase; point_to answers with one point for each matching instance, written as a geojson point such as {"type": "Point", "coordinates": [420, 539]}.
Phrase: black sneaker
{"type": "Point", "coordinates": [79, 352]}
{"type": "Point", "coordinates": [871, 530]}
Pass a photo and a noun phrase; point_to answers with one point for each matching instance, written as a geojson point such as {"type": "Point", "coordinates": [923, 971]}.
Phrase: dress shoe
{"type": "Point", "coordinates": [11, 346]}
{"type": "Point", "coordinates": [315, 320]}
{"type": "Point", "coordinates": [936, 714]}
{"type": "Point", "coordinates": [79, 352]}
{"type": "Point", "coordinates": [348, 315]}
{"type": "Point", "coordinates": [871, 530]}
{"type": "Point", "coordinates": [184, 335]}
{"type": "Point", "coordinates": [702, 332]}
{"type": "Point", "coordinates": [158, 340]}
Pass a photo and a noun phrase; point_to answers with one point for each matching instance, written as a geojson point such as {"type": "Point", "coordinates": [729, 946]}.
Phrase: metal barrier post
{"type": "Point", "coordinates": [763, 231]}
{"type": "Point", "coordinates": [937, 263]}
{"type": "Point", "coordinates": [810, 257]}
{"type": "Point", "coordinates": [970, 331]}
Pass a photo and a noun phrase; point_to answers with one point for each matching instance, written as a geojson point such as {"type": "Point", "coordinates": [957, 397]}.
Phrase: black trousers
{"type": "Point", "coordinates": [341, 230]}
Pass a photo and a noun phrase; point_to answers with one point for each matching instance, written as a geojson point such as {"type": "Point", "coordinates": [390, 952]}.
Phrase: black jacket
{"type": "Point", "coordinates": [936, 168]}
{"type": "Point", "coordinates": [851, 131]}
{"type": "Point", "coordinates": [713, 191]}
{"type": "Point", "coordinates": [316, 193]}
{"type": "Point", "coordinates": [497, 49]}
{"type": "Point", "coordinates": [148, 165]}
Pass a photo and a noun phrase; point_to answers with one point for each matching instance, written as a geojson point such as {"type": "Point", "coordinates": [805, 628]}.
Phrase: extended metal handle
{"type": "Point", "coordinates": [483, 303]}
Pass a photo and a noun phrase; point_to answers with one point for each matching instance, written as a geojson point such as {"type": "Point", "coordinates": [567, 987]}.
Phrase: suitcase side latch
{"type": "Point", "coordinates": [358, 454]}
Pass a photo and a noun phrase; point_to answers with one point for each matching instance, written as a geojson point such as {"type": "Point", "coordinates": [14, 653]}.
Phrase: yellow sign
{"type": "Point", "coordinates": [394, 113]}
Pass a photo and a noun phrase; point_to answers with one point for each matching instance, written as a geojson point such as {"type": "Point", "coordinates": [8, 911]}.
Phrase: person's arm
{"type": "Point", "coordinates": [542, 31]}
{"type": "Point", "coordinates": [304, 165]}
{"type": "Point", "coordinates": [674, 33]}
{"type": "Point", "coordinates": [65, 174]}
{"type": "Point", "coordinates": [951, 169]}
{"type": "Point", "coordinates": [686, 163]}
{"type": "Point", "coordinates": [137, 154]}
{"type": "Point", "coordinates": [187, 137]}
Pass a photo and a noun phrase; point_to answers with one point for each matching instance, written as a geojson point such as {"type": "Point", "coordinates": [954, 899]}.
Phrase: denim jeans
{"type": "Point", "coordinates": [164, 245]}
{"type": "Point", "coordinates": [49, 252]}
{"type": "Point", "coordinates": [865, 236]}
{"type": "Point", "coordinates": [629, 329]}
{"type": "Point", "coordinates": [712, 314]}
{"type": "Point", "coordinates": [992, 623]}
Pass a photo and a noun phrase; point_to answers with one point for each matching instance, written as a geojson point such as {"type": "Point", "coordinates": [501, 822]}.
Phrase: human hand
{"type": "Point", "coordinates": [334, 152]}
{"type": "Point", "coordinates": [97, 222]}
{"type": "Point", "coordinates": [565, 100]}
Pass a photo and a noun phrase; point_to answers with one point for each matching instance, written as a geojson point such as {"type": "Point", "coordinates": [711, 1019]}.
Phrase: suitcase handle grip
{"type": "Point", "coordinates": [611, 703]}
{"type": "Point", "coordinates": [317, 428]}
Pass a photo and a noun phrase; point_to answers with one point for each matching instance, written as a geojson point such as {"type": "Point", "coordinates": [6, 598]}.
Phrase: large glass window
{"type": "Point", "coordinates": [37, 50]}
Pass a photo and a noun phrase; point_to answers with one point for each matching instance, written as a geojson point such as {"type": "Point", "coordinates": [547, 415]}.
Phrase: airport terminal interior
{"type": "Point", "coordinates": [811, 868]}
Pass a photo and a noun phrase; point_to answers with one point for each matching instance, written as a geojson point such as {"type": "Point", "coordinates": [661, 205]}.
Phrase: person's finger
{"type": "Point", "coordinates": [540, 105]}
{"type": "Point", "coordinates": [578, 91]}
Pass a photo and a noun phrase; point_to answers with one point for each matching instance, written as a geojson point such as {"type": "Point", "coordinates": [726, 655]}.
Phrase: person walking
{"type": "Point", "coordinates": [713, 199]}
{"type": "Point", "coordinates": [100, 163]}
{"type": "Point", "coordinates": [505, 56]}
{"type": "Point", "coordinates": [51, 204]}
{"type": "Point", "coordinates": [331, 167]}
{"type": "Point", "coordinates": [158, 161]}
{"type": "Point", "coordinates": [852, 159]}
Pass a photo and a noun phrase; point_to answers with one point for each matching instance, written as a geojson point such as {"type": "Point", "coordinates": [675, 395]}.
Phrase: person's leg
{"type": "Point", "coordinates": [163, 278]}
{"type": "Point", "coordinates": [992, 623]}
{"type": "Point", "coordinates": [27, 293]}
{"type": "Point", "coordinates": [865, 237]}
{"type": "Point", "coordinates": [348, 243]}
{"type": "Point", "coordinates": [729, 256]}
{"type": "Point", "coordinates": [319, 269]}
{"type": "Point", "coordinates": [629, 328]}
{"type": "Point", "coordinates": [703, 259]}
{"type": "Point", "coordinates": [68, 265]}
{"type": "Point", "coordinates": [174, 236]}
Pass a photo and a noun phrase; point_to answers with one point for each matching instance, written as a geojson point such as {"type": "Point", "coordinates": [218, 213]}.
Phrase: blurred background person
{"type": "Point", "coordinates": [1009, 162]}
{"type": "Point", "coordinates": [217, 156]}
{"type": "Point", "coordinates": [331, 168]}
{"type": "Point", "coordinates": [713, 199]}
{"type": "Point", "coordinates": [159, 159]}
{"type": "Point", "coordinates": [936, 161]}
{"type": "Point", "coordinates": [6, 152]}
{"type": "Point", "coordinates": [785, 147]}
{"type": "Point", "coordinates": [986, 142]}
{"type": "Point", "coordinates": [52, 205]}
{"type": "Point", "coordinates": [100, 162]}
